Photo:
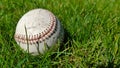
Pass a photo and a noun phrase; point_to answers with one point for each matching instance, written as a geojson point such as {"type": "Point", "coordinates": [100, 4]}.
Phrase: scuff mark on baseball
{"type": "Point", "coordinates": [37, 29]}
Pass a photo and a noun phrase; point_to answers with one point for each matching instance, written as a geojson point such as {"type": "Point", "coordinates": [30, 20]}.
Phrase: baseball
{"type": "Point", "coordinates": [37, 31]}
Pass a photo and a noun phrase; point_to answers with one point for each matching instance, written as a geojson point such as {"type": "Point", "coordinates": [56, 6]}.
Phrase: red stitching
{"type": "Point", "coordinates": [41, 36]}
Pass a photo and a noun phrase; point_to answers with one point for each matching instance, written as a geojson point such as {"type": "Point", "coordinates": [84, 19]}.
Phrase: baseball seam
{"type": "Point", "coordinates": [46, 34]}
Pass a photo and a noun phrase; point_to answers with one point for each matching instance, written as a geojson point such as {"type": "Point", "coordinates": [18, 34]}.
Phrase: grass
{"type": "Point", "coordinates": [92, 34]}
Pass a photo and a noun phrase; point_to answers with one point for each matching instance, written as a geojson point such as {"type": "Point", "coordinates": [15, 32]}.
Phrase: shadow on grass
{"type": "Point", "coordinates": [66, 42]}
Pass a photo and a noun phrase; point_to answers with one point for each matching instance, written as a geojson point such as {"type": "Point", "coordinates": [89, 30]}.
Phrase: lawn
{"type": "Point", "coordinates": [92, 34]}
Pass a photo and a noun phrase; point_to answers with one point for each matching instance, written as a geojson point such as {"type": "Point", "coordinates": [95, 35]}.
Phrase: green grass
{"type": "Point", "coordinates": [92, 34]}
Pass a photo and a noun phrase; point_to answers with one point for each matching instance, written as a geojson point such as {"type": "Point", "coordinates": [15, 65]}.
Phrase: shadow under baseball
{"type": "Point", "coordinates": [66, 41]}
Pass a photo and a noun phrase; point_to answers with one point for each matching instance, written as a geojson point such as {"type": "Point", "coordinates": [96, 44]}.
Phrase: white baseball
{"type": "Point", "coordinates": [37, 29]}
